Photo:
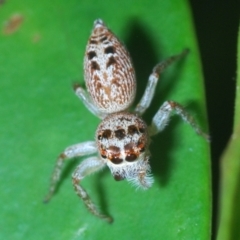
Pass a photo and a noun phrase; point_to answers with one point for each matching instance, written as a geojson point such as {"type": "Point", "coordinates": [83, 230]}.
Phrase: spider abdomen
{"type": "Point", "coordinates": [109, 73]}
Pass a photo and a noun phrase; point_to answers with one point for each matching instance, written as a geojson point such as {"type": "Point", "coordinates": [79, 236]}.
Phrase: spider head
{"type": "Point", "coordinates": [122, 140]}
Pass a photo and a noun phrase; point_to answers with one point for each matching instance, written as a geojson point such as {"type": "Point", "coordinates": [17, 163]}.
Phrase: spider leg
{"type": "Point", "coordinates": [152, 82]}
{"type": "Point", "coordinates": [87, 101]}
{"type": "Point", "coordinates": [76, 150]}
{"type": "Point", "coordinates": [87, 167]}
{"type": "Point", "coordinates": [162, 117]}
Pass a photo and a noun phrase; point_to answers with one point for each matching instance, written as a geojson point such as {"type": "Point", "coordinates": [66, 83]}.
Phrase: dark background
{"type": "Point", "coordinates": [217, 25]}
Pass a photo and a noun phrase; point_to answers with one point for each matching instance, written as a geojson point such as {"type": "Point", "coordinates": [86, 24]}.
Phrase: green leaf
{"type": "Point", "coordinates": [230, 168]}
{"type": "Point", "coordinates": [41, 56]}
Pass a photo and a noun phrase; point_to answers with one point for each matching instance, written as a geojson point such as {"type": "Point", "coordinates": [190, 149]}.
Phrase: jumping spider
{"type": "Point", "coordinates": [122, 138]}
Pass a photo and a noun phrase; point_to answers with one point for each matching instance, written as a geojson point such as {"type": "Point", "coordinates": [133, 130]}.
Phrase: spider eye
{"type": "Point", "coordinates": [131, 157]}
{"type": "Point", "coordinates": [132, 129]}
{"type": "Point", "coordinates": [107, 133]}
